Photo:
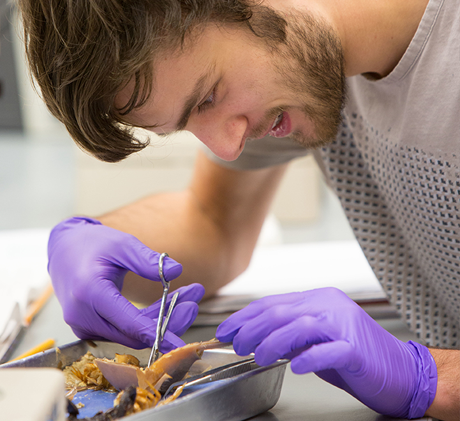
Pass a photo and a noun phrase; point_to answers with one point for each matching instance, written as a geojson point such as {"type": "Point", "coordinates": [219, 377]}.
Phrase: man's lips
{"type": "Point", "coordinates": [282, 127]}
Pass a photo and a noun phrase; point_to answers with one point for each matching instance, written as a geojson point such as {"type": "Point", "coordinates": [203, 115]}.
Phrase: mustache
{"type": "Point", "coordinates": [265, 123]}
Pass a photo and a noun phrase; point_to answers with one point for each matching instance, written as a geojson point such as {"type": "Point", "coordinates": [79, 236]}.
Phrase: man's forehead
{"type": "Point", "coordinates": [180, 79]}
{"type": "Point", "coordinates": [184, 76]}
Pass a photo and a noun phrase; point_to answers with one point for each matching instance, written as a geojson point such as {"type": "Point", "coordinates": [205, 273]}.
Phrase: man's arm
{"type": "Point", "coordinates": [211, 228]}
{"type": "Point", "coordinates": [446, 404]}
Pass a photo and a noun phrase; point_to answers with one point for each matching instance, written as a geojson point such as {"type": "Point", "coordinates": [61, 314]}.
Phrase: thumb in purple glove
{"type": "Point", "coordinates": [183, 315]}
{"type": "Point", "coordinates": [87, 264]}
{"type": "Point", "coordinates": [325, 332]}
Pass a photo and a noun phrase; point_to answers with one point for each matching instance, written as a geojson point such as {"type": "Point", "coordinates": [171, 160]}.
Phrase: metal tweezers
{"type": "Point", "coordinates": [162, 324]}
{"type": "Point", "coordinates": [224, 372]}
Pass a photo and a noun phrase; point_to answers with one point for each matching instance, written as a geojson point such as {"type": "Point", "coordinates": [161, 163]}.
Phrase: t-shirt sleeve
{"type": "Point", "coordinates": [262, 153]}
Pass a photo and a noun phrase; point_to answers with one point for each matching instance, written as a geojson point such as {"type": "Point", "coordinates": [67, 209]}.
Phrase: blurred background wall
{"type": "Point", "coordinates": [44, 177]}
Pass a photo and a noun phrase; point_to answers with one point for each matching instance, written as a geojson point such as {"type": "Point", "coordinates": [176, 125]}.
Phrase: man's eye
{"type": "Point", "coordinates": [208, 102]}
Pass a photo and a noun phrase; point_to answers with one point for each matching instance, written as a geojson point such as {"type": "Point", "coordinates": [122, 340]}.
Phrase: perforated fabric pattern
{"type": "Point", "coordinates": [395, 166]}
{"type": "Point", "coordinates": [402, 204]}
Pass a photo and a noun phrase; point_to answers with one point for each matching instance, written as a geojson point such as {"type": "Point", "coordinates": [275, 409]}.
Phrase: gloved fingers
{"type": "Point", "coordinates": [71, 223]}
{"type": "Point", "coordinates": [110, 334]}
{"type": "Point", "coordinates": [117, 311]}
{"type": "Point", "coordinates": [121, 249]}
{"type": "Point", "coordinates": [192, 292]}
{"type": "Point", "coordinates": [126, 325]}
{"type": "Point", "coordinates": [170, 342]}
{"type": "Point", "coordinates": [135, 256]}
{"type": "Point", "coordinates": [183, 315]}
{"type": "Point", "coordinates": [77, 221]}
{"type": "Point", "coordinates": [230, 327]}
{"type": "Point", "coordinates": [227, 330]}
{"type": "Point", "coordinates": [256, 330]}
{"type": "Point", "coordinates": [300, 333]}
{"type": "Point", "coordinates": [281, 343]}
{"type": "Point", "coordinates": [329, 355]}
{"type": "Point", "coordinates": [333, 377]}
{"type": "Point", "coordinates": [83, 334]}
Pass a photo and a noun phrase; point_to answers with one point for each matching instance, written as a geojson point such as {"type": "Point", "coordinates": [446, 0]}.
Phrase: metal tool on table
{"type": "Point", "coordinates": [162, 324]}
{"type": "Point", "coordinates": [229, 370]}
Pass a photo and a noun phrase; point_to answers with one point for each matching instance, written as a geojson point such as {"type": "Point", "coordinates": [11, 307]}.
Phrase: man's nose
{"type": "Point", "coordinates": [224, 137]}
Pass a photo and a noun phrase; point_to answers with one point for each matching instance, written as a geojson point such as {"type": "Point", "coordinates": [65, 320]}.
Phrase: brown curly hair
{"type": "Point", "coordinates": [81, 53]}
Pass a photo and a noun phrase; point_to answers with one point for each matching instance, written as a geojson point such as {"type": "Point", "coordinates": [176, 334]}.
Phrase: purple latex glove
{"type": "Point", "coordinates": [325, 332]}
{"type": "Point", "coordinates": [87, 264]}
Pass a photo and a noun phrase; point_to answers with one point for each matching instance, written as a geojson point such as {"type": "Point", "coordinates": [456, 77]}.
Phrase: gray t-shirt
{"type": "Point", "coordinates": [395, 166]}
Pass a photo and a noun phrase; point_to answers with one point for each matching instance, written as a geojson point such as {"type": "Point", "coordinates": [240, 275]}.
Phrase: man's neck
{"type": "Point", "coordinates": [374, 34]}
{"type": "Point", "coordinates": [376, 37]}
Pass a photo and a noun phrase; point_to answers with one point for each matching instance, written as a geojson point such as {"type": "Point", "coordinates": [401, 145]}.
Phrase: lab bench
{"type": "Point", "coordinates": [303, 397]}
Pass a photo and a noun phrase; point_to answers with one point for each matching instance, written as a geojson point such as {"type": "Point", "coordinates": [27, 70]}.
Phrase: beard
{"type": "Point", "coordinates": [310, 62]}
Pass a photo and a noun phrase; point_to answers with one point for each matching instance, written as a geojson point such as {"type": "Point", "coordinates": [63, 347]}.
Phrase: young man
{"type": "Point", "coordinates": [233, 72]}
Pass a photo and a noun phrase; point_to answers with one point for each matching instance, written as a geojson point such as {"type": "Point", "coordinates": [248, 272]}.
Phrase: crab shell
{"type": "Point", "coordinates": [172, 366]}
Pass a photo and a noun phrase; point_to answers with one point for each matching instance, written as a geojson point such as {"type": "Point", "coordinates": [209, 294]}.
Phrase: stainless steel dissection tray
{"type": "Point", "coordinates": [236, 398]}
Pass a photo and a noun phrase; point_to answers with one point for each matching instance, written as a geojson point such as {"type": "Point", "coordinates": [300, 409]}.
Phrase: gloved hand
{"type": "Point", "coordinates": [325, 332]}
{"type": "Point", "coordinates": [87, 264]}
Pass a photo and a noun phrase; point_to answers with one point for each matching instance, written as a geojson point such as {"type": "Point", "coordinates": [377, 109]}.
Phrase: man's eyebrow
{"type": "Point", "coordinates": [192, 100]}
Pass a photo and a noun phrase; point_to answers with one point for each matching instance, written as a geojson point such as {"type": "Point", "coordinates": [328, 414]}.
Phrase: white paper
{"type": "Point", "coordinates": [23, 269]}
{"type": "Point", "coordinates": [298, 267]}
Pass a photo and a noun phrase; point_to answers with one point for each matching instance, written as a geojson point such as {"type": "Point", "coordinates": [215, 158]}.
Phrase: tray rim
{"type": "Point", "coordinates": [200, 393]}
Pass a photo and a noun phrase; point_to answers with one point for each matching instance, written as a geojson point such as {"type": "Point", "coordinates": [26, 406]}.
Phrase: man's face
{"type": "Point", "coordinates": [230, 87]}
